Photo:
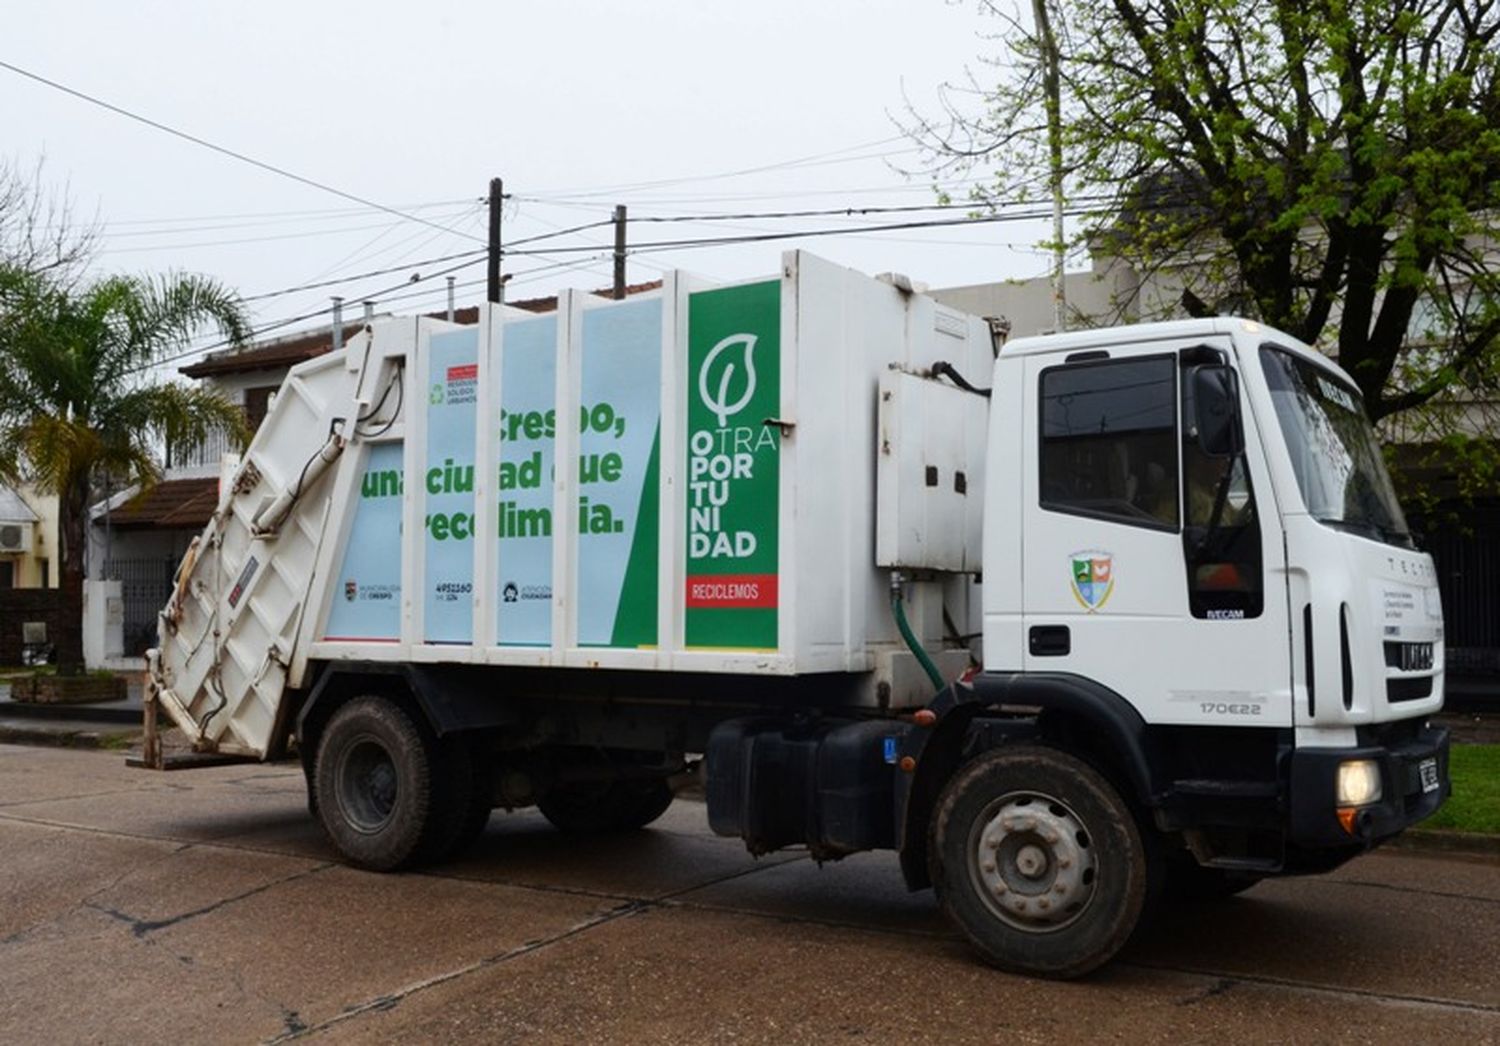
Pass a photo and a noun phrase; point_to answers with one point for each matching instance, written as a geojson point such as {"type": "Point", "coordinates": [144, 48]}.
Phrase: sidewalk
{"type": "Point", "coordinates": [109, 724]}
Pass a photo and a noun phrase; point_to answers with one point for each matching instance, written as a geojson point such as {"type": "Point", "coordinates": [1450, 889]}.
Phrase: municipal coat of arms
{"type": "Point", "coordinates": [1093, 578]}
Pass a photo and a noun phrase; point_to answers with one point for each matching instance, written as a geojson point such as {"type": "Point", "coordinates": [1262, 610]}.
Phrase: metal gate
{"type": "Point", "coordinates": [145, 584]}
{"type": "Point", "coordinates": [1465, 547]}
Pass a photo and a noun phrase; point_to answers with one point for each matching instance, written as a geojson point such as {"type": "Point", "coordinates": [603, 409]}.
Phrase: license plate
{"type": "Point", "coordinates": [1427, 771]}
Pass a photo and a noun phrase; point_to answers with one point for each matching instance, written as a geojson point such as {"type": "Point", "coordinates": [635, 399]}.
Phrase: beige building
{"type": "Point", "coordinates": [28, 538]}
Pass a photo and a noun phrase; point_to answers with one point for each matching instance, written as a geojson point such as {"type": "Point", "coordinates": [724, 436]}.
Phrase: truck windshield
{"type": "Point", "coordinates": [1334, 452]}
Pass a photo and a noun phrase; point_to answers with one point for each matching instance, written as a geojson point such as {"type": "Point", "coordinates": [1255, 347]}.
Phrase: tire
{"type": "Point", "coordinates": [1039, 861]}
{"type": "Point", "coordinates": [476, 815]}
{"type": "Point", "coordinates": [1187, 880]}
{"type": "Point", "coordinates": [455, 796]}
{"type": "Point", "coordinates": [618, 806]}
{"type": "Point", "coordinates": [374, 780]}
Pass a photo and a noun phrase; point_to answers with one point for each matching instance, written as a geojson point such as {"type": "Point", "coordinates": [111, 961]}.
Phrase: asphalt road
{"type": "Point", "coordinates": [204, 905]}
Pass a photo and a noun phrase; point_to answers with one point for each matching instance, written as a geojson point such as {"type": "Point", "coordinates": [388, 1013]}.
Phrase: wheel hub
{"type": "Point", "coordinates": [367, 785]}
{"type": "Point", "coordinates": [1033, 861]}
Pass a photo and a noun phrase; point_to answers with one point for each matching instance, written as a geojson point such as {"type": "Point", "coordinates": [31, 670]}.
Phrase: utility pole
{"type": "Point", "coordinates": [1052, 87]}
{"type": "Point", "coordinates": [619, 251]}
{"type": "Point", "coordinates": [497, 202]}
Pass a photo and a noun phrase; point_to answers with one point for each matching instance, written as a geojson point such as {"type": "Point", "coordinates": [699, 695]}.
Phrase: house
{"type": "Point", "coordinates": [28, 538]}
{"type": "Point", "coordinates": [30, 604]}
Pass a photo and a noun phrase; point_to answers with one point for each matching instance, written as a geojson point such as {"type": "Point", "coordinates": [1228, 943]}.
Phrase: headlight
{"type": "Point", "coordinates": [1358, 783]}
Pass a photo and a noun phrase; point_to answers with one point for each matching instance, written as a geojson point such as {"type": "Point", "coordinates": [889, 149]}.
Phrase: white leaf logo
{"type": "Point", "coordinates": [719, 402]}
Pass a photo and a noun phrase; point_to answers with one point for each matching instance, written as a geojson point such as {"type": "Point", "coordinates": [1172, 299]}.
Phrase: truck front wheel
{"type": "Point", "coordinates": [374, 781]}
{"type": "Point", "coordinates": [1039, 861]}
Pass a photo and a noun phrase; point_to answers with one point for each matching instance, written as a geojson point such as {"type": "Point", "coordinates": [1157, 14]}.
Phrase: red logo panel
{"type": "Point", "coordinates": [729, 591]}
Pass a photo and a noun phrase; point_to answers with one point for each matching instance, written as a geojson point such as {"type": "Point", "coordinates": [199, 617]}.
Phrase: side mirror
{"type": "Point", "coordinates": [1216, 413]}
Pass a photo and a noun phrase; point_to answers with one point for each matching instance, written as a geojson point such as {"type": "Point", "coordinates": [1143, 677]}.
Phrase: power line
{"type": "Point", "coordinates": [806, 161]}
{"type": "Point", "coordinates": [398, 252]}
{"type": "Point", "coordinates": [385, 295]}
{"type": "Point", "coordinates": [650, 246]}
{"type": "Point", "coordinates": [264, 329]}
{"type": "Point", "coordinates": [684, 244]}
{"type": "Point", "coordinates": [850, 212]}
{"type": "Point", "coordinates": [249, 219]}
{"type": "Point", "coordinates": [355, 277]}
{"type": "Point", "coordinates": [790, 194]}
{"type": "Point", "coordinates": [560, 231]}
{"type": "Point", "coordinates": [566, 232]}
{"type": "Point", "coordinates": [338, 280]}
{"type": "Point", "coordinates": [309, 234]}
{"type": "Point", "coordinates": [520, 277]}
{"type": "Point", "coordinates": [185, 136]}
{"type": "Point", "coordinates": [360, 276]}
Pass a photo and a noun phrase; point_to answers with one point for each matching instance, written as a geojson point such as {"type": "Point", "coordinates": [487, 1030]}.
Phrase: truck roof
{"type": "Point", "coordinates": [1172, 330]}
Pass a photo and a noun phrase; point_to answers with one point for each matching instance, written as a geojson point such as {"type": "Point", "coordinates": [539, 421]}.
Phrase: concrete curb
{"type": "Point", "coordinates": [71, 735]}
{"type": "Point", "coordinates": [123, 713]}
{"type": "Point", "coordinates": [1436, 840]}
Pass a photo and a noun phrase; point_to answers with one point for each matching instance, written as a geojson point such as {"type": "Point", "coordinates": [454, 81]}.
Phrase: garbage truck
{"type": "Point", "coordinates": [1075, 624]}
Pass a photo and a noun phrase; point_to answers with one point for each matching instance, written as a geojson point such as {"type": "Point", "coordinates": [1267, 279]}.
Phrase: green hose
{"type": "Point", "coordinates": [911, 640]}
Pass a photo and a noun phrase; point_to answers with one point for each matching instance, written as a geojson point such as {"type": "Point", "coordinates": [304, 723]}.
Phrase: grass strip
{"type": "Point", "coordinates": [1475, 803]}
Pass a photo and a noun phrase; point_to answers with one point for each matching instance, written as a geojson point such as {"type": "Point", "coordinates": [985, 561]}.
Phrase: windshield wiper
{"type": "Point", "coordinates": [1395, 536]}
{"type": "Point", "coordinates": [1370, 529]}
{"type": "Point", "coordinates": [1361, 527]}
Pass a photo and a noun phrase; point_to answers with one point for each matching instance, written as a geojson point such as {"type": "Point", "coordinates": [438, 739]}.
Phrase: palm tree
{"type": "Point", "coordinates": [79, 400]}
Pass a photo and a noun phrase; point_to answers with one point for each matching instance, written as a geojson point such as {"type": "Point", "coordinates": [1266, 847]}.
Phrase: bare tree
{"type": "Point", "coordinates": [40, 231]}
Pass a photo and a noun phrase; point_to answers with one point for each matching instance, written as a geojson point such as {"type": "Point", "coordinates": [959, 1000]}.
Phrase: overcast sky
{"type": "Point", "coordinates": [669, 107]}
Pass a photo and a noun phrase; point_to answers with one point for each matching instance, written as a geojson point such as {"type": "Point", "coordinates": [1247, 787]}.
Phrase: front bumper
{"type": "Point", "coordinates": [1405, 798]}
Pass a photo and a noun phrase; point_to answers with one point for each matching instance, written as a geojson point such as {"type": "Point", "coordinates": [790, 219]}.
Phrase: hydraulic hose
{"type": "Point", "coordinates": [898, 610]}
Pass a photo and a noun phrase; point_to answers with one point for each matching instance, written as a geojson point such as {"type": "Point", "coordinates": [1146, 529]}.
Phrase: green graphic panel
{"type": "Point", "coordinates": [733, 467]}
{"type": "Point", "coordinates": [635, 620]}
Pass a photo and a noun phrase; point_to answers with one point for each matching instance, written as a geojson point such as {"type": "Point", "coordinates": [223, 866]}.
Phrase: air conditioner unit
{"type": "Point", "coordinates": [15, 537]}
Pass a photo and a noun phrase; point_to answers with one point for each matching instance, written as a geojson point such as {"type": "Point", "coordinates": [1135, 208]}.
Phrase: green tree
{"type": "Point", "coordinates": [78, 400]}
{"type": "Point", "coordinates": [1329, 167]}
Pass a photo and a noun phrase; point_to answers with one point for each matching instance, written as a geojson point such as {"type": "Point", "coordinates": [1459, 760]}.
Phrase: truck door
{"type": "Point", "coordinates": [1151, 566]}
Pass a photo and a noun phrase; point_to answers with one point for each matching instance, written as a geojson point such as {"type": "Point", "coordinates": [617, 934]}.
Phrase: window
{"type": "Point", "coordinates": [1109, 440]}
{"type": "Point", "coordinates": [45, 568]}
{"type": "Point", "coordinates": [1335, 453]}
{"type": "Point", "coordinates": [7, 574]}
{"type": "Point", "coordinates": [1221, 530]}
{"type": "Point", "coordinates": [257, 403]}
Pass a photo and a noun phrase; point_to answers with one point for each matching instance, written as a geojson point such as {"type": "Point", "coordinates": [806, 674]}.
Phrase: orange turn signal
{"type": "Point", "coordinates": [924, 717]}
{"type": "Point", "coordinates": [907, 763]}
{"type": "Point", "coordinates": [1346, 817]}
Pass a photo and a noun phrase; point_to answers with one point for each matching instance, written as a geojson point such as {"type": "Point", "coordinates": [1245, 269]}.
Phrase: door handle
{"type": "Point", "coordinates": [1050, 640]}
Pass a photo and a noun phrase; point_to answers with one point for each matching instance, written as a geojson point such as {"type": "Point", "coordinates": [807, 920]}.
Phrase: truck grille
{"type": "Point", "coordinates": [1409, 657]}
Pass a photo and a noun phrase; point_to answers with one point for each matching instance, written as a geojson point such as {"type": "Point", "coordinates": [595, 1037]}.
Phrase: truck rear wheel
{"type": "Point", "coordinates": [616, 806]}
{"type": "Point", "coordinates": [460, 800]}
{"type": "Point", "coordinates": [1039, 861]}
{"type": "Point", "coordinates": [375, 785]}
{"type": "Point", "coordinates": [477, 809]}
